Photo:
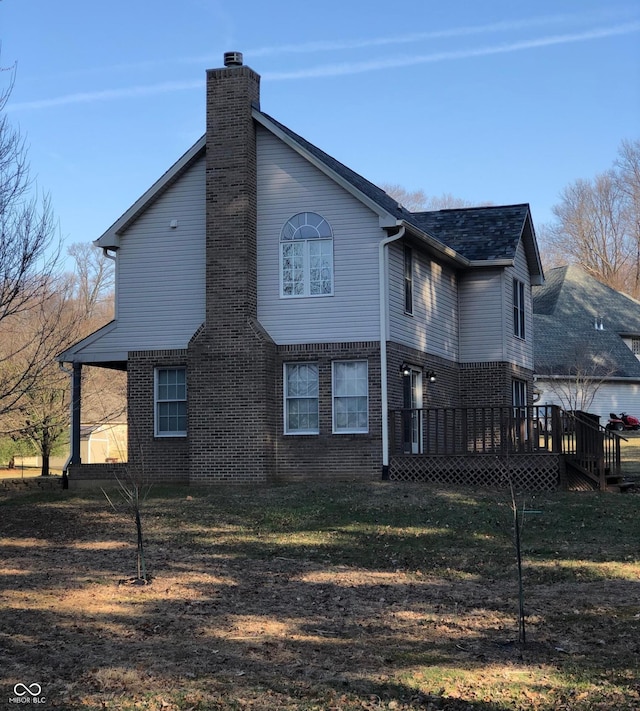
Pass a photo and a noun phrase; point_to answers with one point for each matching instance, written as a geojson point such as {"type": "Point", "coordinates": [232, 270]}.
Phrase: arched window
{"type": "Point", "coordinates": [306, 256]}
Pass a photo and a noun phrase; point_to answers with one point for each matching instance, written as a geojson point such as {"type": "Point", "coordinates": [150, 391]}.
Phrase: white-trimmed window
{"type": "Point", "coordinates": [350, 388]}
{"type": "Point", "coordinates": [301, 398]}
{"type": "Point", "coordinates": [518, 308]}
{"type": "Point", "coordinates": [408, 280]}
{"type": "Point", "coordinates": [306, 256]}
{"type": "Point", "coordinates": [170, 402]}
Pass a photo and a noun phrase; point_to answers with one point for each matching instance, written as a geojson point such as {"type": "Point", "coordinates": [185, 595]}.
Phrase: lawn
{"type": "Point", "coordinates": [319, 596]}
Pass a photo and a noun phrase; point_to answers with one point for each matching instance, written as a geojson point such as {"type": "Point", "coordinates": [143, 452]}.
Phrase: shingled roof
{"type": "Point", "coordinates": [566, 311]}
{"type": "Point", "coordinates": [478, 233]}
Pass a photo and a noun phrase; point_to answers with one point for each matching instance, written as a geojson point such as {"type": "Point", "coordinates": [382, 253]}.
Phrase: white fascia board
{"type": "Point", "coordinates": [385, 218]}
{"type": "Point", "coordinates": [491, 263]}
{"type": "Point", "coordinates": [110, 239]}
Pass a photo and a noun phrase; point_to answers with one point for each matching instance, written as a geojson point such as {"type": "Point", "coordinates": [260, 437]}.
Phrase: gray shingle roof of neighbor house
{"type": "Point", "coordinates": [566, 311]}
{"type": "Point", "coordinates": [476, 234]}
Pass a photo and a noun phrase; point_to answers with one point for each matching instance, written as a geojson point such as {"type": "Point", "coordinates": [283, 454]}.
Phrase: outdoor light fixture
{"type": "Point", "coordinates": [405, 371]}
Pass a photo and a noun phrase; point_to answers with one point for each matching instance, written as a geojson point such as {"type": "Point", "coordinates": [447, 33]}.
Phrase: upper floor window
{"type": "Point", "coordinates": [518, 308]}
{"type": "Point", "coordinates": [171, 402]}
{"type": "Point", "coordinates": [408, 280]}
{"type": "Point", "coordinates": [306, 256]}
{"type": "Point", "coordinates": [635, 346]}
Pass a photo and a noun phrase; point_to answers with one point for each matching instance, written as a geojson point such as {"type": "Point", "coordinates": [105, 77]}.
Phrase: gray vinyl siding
{"type": "Point", "coordinates": [519, 351]}
{"type": "Point", "coordinates": [433, 326]}
{"type": "Point", "coordinates": [289, 184]}
{"type": "Point", "coordinates": [482, 320]}
{"type": "Point", "coordinates": [160, 274]}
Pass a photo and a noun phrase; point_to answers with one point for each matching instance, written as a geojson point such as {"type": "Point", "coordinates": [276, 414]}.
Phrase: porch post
{"type": "Point", "coordinates": [76, 392]}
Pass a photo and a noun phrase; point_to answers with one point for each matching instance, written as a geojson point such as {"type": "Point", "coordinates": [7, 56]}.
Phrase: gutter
{"type": "Point", "coordinates": [384, 314]}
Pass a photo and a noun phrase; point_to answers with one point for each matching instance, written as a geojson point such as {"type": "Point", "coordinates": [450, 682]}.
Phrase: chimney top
{"type": "Point", "coordinates": [233, 59]}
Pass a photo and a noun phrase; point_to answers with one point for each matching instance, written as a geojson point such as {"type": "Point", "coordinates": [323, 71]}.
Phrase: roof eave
{"type": "Point", "coordinates": [435, 245]}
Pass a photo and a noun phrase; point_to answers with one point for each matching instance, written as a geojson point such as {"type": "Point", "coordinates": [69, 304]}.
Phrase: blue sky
{"type": "Point", "coordinates": [489, 100]}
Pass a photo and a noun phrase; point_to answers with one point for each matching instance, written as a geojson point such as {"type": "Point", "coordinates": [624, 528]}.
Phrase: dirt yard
{"type": "Point", "coordinates": [325, 597]}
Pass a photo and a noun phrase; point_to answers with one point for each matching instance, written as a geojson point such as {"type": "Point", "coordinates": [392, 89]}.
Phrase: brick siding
{"type": "Point", "coordinates": [167, 458]}
{"type": "Point", "coordinates": [327, 455]}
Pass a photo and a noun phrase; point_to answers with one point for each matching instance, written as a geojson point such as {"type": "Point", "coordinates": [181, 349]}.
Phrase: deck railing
{"type": "Point", "coordinates": [507, 430]}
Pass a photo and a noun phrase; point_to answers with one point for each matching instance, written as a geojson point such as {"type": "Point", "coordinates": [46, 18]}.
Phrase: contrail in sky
{"type": "Point", "coordinates": [347, 68]}
{"type": "Point", "coordinates": [393, 62]}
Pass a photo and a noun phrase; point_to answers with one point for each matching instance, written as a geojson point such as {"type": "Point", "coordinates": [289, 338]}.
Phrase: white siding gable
{"type": "Point", "coordinates": [287, 185]}
{"type": "Point", "coordinates": [482, 316]}
{"type": "Point", "coordinates": [160, 274]}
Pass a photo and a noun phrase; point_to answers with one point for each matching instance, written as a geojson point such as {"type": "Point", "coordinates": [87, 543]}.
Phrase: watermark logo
{"type": "Point", "coordinates": [27, 694]}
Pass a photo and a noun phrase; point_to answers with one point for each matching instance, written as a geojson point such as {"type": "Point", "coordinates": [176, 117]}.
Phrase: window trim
{"type": "Point", "coordinates": [334, 428]}
{"type": "Point", "coordinates": [286, 398]}
{"type": "Point", "coordinates": [157, 401]}
{"type": "Point", "coordinates": [519, 330]}
{"type": "Point", "coordinates": [408, 280]}
{"type": "Point", "coordinates": [306, 258]}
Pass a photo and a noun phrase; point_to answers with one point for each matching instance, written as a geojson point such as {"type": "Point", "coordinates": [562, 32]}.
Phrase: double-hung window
{"type": "Point", "coordinates": [306, 256]}
{"type": "Point", "coordinates": [518, 308]}
{"type": "Point", "coordinates": [350, 397]}
{"type": "Point", "coordinates": [170, 402]}
{"type": "Point", "coordinates": [301, 398]}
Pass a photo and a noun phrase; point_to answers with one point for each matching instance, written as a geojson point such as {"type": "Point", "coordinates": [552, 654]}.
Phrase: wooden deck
{"type": "Point", "coordinates": [536, 447]}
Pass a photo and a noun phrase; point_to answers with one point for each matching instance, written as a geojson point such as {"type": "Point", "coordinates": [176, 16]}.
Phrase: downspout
{"type": "Point", "coordinates": [384, 314]}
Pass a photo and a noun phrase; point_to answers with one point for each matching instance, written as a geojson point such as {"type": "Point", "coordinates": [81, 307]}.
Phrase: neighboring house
{"type": "Point", "coordinates": [272, 306]}
{"type": "Point", "coordinates": [587, 345]}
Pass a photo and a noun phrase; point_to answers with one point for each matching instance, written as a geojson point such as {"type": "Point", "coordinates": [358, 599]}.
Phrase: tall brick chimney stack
{"type": "Point", "coordinates": [231, 360]}
{"type": "Point", "coordinates": [231, 185]}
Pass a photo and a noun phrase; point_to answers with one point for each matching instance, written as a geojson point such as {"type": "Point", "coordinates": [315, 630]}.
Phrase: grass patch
{"type": "Point", "coordinates": [333, 596]}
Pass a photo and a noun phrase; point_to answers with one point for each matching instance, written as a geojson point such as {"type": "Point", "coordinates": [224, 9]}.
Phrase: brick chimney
{"type": "Point", "coordinates": [231, 360]}
{"type": "Point", "coordinates": [231, 186]}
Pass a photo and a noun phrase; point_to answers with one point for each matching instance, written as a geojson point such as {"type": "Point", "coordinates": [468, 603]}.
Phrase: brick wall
{"type": "Point", "coordinates": [327, 455]}
{"type": "Point", "coordinates": [490, 384]}
{"type": "Point", "coordinates": [165, 459]}
{"type": "Point", "coordinates": [442, 393]}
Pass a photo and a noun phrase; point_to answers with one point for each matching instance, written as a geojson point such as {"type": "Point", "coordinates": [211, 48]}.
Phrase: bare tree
{"type": "Point", "coordinates": [29, 252]}
{"type": "Point", "coordinates": [577, 389]}
{"type": "Point", "coordinates": [82, 303]}
{"type": "Point", "coordinates": [628, 181]}
{"type": "Point", "coordinates": [419, 201]}
{"type": "Point", "coordinates": [597, 224]}
{"type": "Point", "coordinates": [93, 279]}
